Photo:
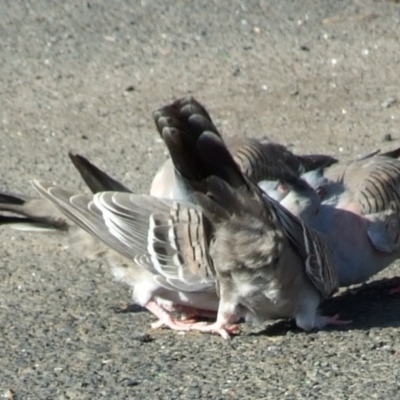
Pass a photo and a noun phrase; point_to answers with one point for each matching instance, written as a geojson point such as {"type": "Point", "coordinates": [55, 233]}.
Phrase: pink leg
{"type": "Point", "coordinates": [221, 329]}
{"type": "Point", "coordinates": [223, 326]}
{"type": "Point", "coordinates": [164, 318]}
{"type": "Point", "coordinates": [322, 321]}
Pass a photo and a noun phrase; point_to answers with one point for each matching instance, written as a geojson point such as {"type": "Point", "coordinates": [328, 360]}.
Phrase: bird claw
{"type": "Point", "coordinates": [175, 324]}
{"type": "Point", "coordinates": [224, 331]}
{"type": "Point", "coordinates": [165, 319]}
{"type": "Point", "coordinates": [323, 321]}
{"type": "Point", "coordinates": [204, 327]}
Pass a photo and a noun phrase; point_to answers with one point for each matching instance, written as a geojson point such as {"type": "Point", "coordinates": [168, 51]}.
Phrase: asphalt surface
{"type": "Point", "coordinates": [319, 76]}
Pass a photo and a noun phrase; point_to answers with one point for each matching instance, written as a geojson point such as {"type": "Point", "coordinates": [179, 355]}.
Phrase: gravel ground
{"type": "Point", "coordinates": [320, 76]}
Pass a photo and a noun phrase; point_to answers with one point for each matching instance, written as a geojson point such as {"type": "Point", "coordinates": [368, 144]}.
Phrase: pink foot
{"type": "Point", "coordinates": [323, 321]}
{"type": "Point", "coordinates": [224, 331]}
{"type": "Point", "coordinates": [165, 319]}
{"type": "Point", "coordinates": [174, 324]}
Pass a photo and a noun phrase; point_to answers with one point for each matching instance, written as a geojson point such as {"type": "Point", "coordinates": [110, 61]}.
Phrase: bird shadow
{"type": "Point", "coordinates": [370, 305]}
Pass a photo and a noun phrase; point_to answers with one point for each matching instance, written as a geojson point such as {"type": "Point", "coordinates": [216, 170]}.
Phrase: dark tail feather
{"type": "Point", "coordinates": [95, 178]}
{"type": "Point", "coordinates": [219, 160]}
{"type": "Point", "coordinates": [180, 124]}
{"type": "Point", "coordinates": [195, 145]}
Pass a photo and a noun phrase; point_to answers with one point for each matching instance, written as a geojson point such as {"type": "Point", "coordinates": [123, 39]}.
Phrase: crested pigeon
{"type": "Point", "coordinates": [182, 251]}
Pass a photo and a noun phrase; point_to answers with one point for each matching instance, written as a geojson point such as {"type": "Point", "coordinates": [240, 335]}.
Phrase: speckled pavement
{"type": "Point", "coordinates": [320, 76]}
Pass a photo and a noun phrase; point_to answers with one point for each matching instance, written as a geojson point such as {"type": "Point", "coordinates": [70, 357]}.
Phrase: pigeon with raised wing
{"type": "Point", "coordinates": [179, 249]}
{"type": "Point", "coordinates": [267, 263]}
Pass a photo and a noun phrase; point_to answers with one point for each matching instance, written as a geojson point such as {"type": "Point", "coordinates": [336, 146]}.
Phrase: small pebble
{"type": "Point", "coordinates": [387, 137]}
{"type": "Point", "coordinates": [145, 338]}
{"type": "Point", "coordinates": [389, 102]}
{"type": "Point", "coordinates": [236, 71]}
{"type": "Point", "coordinates": [130, 382]}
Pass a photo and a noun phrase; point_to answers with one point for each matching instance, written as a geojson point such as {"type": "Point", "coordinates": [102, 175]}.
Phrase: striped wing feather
{"type": "Point", "coordinates": [318, 257]}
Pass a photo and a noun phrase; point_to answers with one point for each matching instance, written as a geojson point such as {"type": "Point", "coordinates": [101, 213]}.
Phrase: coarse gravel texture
{"type": "Point", "coordinates": [317, 75]}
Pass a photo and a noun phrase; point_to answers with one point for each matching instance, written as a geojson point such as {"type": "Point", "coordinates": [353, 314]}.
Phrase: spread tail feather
{"type": "Point", "coordinates": [195, 145]}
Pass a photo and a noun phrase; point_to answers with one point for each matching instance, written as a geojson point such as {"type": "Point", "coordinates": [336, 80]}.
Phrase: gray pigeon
{"type": "Point", "coordinates": [360, 214]}
{"type": "Point", "coordinates": [265, 262]}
